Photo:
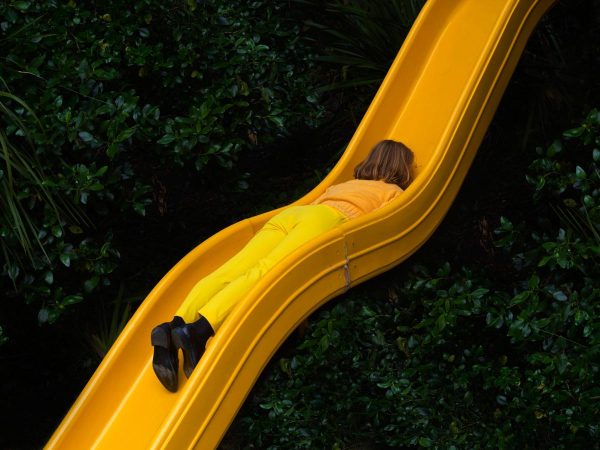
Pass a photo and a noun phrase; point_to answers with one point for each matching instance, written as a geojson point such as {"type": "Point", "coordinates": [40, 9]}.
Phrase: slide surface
{"type": "Point", "coordinates": [438, 98]}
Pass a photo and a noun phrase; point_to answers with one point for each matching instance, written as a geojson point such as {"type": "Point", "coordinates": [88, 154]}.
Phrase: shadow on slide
{"type": "Point", "coordinates": [438, 98]}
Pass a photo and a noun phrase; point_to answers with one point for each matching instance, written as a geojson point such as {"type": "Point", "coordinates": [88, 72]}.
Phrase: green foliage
{"type": "Point", "coordinates": [22, 177]}
{"type": "Point", "coordinates": [559, 56]}
{"type": "Point", "coordinates": [567, 178]}
{"type": "Point", "coordinates": [447, 361]}
{"type": "Point", "coordinates": [196, 80]}
{"type": "Point", "coordinates": [359, 42]}
{"type": "Point", "coordinates": [373, 33]}
{"type": "Point", "coordinates": [99, 93]}
{"type": "Point", "coordinates": [452, 363]}
{"type": "Point", "coordinates": [87, 257]}
{"type": "Point", "coordinates": [102, 335]}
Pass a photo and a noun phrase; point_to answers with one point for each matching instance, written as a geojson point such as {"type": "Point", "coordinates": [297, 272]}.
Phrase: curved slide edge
{"type": "Point", "coordinates": [438, 97]}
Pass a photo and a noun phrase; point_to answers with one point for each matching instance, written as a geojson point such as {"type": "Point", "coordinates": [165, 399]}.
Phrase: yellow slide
{"type": "Point", "coordinates": [438, 98]}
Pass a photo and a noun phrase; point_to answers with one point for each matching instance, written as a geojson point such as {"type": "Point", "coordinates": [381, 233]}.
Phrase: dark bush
{"type": "Point", "coordinates": [447, 361]}
{"type": "Point", "coordinates": [120, 87]}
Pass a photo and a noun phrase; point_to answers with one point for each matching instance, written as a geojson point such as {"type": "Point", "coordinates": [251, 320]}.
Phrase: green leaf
{"type": "Point", "coordinates": [312, 98]}
{"type": "Point", "coordinates": [71, 299]}
{"type": "Point", "coordinates": [11, 15]}
{"type": "Point", "coordinates": [85, 136]}
{"type": "Point", "coordinates": [125, 134]}
{"type": "Point", "coordinates": [560, 296]}
{"type": "Point", "coordinates": [166, 139]}
{"type": "Point", "coordinates": [57, 231]}
{"type": "Point", "coordinates": [446, 268]}
{"type": "Point", "coordinates": [265, 95]}
{"type": "Point", "coordinates": [534, 281]}
{"type": "Point", "coordinates": [588, 201]}
{"type": "Point", "coordinates": [324, 342]}
{"type": "Point", "coordinates": [506, 224]}
{"type": "Point", "coordinates": [277, 120]}
{"type": "Point", "coordinates": [479, 292]}
{"type": "Point", "coordinates": [139, 208]}
{"type": "Point", "coordinates": [49, 276]}
{"type": "Point", "coordinates": [105, 108]}
{"type": "Point", "coordinates": [556, 147]}
{"type": "Point", "coordinates": [53, 315]}
{"type": "Point", "coordinates": [575, 132]}
{"type": "Point", "coordinates": [379, 338]}
{"type": "Point", "coordinates": [177, 34]}
{"type": "Point", "coordinates": [580, 173]}
{"type": "Point", "coordinates": [592, 118]}
{"type": "Point", "coordinates": [20, 5]}
{"type": "Point", "coordinates": [101, 171]}
{"type": "Point", "coordinates": [13, 272]}
{"type": "Point", "coordinates": [65, 259]}
{"type": "Point", "coordinates": [521, 297]}
{"type": "Point", "coordinates": [425, 442]}
{"type": "Point", "coordinates": [82, 69]}
{"type": "Point", "coordinates": [204, 110]}
{"type": "Point", "coordinates": [368, 312]}
{"type": "Point", "coordinates": [441, 322]}
{"type": "Point", "coordinates": [112, 150]}
{"type": "Point", "coordinates": [90, 284]}
{"type": "Point", "coordinates": [43, 315]}
{"type": "Point", "coordinates": [233, 90]}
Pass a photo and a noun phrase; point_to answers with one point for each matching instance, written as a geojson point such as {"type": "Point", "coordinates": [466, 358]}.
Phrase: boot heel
{"type": "Point", "coordinates": [160, 337]}
{"type": "Point", "coordinates": [176, 338]}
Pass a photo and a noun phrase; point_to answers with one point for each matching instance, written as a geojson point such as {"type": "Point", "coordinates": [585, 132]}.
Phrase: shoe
{"type": "Point", "coordinates": [166, 355]}
{"type": "Point", "coordinates": [191, 339]}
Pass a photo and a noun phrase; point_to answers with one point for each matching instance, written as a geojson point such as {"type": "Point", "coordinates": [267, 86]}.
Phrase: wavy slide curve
{"type": "Point", "coordinates": [438, 98]}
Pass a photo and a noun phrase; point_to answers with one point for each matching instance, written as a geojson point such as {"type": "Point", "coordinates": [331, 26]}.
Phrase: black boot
{"type": "Point", "coordinates": [191, 338]}
{"type": "Point", "coordinates": [166, 355]}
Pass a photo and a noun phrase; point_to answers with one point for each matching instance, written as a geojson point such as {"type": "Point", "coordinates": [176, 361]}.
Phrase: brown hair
{"type": "Point", "coordinates": [389, 161]}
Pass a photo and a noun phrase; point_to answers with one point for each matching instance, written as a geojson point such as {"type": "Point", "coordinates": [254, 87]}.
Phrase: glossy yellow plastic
{"type": "Point", "coordinates": [438, 98]}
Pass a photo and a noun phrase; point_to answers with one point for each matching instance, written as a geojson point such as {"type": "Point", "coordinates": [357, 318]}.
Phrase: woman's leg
{"type": "Point", "coordinates": [263, 242]}
{"type": "Point", "coordinates": [301, 225]}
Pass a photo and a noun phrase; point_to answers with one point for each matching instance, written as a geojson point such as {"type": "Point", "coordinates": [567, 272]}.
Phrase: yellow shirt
{"type": "Point", "coordinates": [356, 197]}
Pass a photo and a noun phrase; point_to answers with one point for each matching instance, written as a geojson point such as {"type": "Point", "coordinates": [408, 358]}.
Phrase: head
{"type": "Point", "coordinates": [389, 161]}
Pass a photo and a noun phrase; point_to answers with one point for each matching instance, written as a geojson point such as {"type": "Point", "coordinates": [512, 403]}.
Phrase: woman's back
{"type": "Point", "coordinates": [357, 197]}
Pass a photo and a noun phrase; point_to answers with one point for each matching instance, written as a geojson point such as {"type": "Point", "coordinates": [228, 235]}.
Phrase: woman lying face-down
{"type": "Point", "coordinates": [379, 179]}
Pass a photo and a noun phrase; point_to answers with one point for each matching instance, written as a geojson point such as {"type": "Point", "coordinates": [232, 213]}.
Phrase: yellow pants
{"type": "Point", "coordinates": [214, 296]}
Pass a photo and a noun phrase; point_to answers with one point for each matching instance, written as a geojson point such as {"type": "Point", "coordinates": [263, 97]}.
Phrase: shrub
{"type": "Point", "coordinates": [447, 360]}
{"type": "Point", "coordinates": [120, 87]}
